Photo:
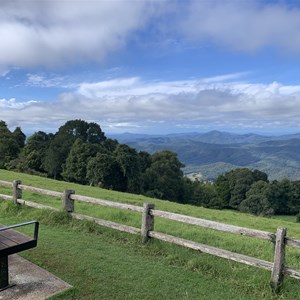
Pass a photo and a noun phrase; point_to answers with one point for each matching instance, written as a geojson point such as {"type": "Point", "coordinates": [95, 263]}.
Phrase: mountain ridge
{"type": "Point", "coordinates": [208, 153]}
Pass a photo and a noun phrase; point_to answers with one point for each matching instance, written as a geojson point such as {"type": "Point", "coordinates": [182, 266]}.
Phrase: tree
{"type": "Point", "coordinates": [35, 151]}
{"type": "Point", "coordinates": [19, 137]}
{"type": "Point", "coordinates": [294, 197]}
{"type": "Point", "coordinates": [94, 134]}
{"type": "Point", "coordinates": [145, 160]}
{"type": "Point", "coordinates": [9, 147]}
{"type": "Point", "coordinates": [233, 185]}
{"type": "Point", "coordinates": [223, 190]}
{"type": "Point", "coordinates": [75, 168]}
{"type": "Point", "coordinates": [88, 132]}
{"type": "Point", "coordinates": [104, 171]}
{"type": "Point", "coordinates": [67, 134]}
{"type": "Point", "coordinates": [9, 150]}
{"type": "Point", "coordinates": [284, 197]}
{"type": "Point", "coordinates": [164, 176]}
{"type": "Point", "coordinates": [56, 156]}
{"type": "Point", "coordinates": [129, 163]}
{"type": "Point", "coordinates": [4, 131]}
{"type": "Point", "coordinates": [257, 200]}
{"type": "Point", "coordinates": [206, 195]}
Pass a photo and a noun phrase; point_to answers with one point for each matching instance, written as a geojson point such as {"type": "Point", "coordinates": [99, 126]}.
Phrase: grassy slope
{"type": "Point", "coordinates": [113, 264]}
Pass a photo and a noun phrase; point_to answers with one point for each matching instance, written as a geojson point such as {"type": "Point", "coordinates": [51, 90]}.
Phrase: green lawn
{"type": "Point", "coordinates": [106, 264]}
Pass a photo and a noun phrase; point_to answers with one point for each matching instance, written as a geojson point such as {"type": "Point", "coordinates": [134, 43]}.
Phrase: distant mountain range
{"type": "Point", "coordinates": [210, 154]}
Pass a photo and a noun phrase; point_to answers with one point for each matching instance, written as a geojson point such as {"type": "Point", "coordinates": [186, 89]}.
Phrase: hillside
{"type": "Point", "coordinates": [215, 152]}
{"type": "Point", "coordinates": [106, 264]}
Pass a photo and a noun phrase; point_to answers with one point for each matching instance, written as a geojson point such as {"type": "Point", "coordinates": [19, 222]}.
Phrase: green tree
{"type": "Point", "coordinates": [88, 132]}
{"type": "Point", "coordinates": [63, 140]}
{"type": "Point", "coordinates": [75, 168]}
{"type": "Point", "coordinates": [294, 197]}
{"type": "Point", "coordinates": [19, 137]}
{"type": "Point", "coordinates": [257, 200]}
{"type": "Point", "coordinates": [56, 156]}
{"type": "Point", "coordinates": [233, 185]}
{"type": "Point", "coordinates": [223, 190]}
{"type": "Point", "coordinates": [206, 195]}
{"type": "Point", "coordinates": [145, 160]}
{"type": "Point", "coordinates": [4, 131]}
{"type": "Point", "coordinates": [164, 177]}
{"type": "Point", "coordinates": [104, 171]}
{"type": "Point", "coordinates": [129, 162]}
{"type": "Point", "coordinates": [9, 147]}
{"type": "Point", "coordinates": [284, 197]}
{"type": "Point", "coordinates": [9, 150]}
{"type": "Point", "coordinates": [35, 151]}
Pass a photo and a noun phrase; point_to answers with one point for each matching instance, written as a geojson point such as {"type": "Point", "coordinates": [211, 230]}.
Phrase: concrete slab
{"type": "Point", "coordinates": [30, 282]}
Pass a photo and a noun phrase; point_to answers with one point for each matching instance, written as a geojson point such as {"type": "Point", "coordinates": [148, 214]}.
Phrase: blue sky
{"type": "Point", "coordinates": [151, 66]}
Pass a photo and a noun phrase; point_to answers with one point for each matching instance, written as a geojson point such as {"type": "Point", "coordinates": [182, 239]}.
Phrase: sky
{"type": "Point", "coordinates": [156, 67]}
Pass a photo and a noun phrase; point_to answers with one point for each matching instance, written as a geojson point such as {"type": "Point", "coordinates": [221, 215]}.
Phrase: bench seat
{"type": "Point", "coordinates": [12, 242]}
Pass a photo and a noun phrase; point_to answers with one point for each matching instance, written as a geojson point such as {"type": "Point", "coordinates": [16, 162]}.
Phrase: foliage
{"type": "Point", "coordinates": [234, 185]}
{"type": "Point", "coordinates": [298, 217]}
{"type": "Point", "coordinates": [257, 200]}
{"type": "Point", "coordinates": [63, 140]}
{"type": "Point", "coordinates": [11, 144]}
{"type": "Point", "coordinates": [165, 176]}
{"type": "Point", "coordinates": [104, 171]}
{"type": "Point", "coordinates": [75, 168]}
{"type": "Point", "coordinates": [35, 151]}
{"type": "Point", "coordinates": [129, 162]}
{"type": "Point", "coordinates": [206, 195]}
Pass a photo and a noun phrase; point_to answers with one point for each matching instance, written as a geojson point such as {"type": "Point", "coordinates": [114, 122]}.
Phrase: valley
{"type": "Point", "coordinates": [213, 153]}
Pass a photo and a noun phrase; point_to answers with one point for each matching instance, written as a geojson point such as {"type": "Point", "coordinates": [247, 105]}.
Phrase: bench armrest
{"type": "Point", "coordinates": [36, 227]}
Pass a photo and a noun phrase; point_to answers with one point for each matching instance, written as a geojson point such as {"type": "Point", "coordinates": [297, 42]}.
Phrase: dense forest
{"type": "Point", "coordinates": [80, 152]}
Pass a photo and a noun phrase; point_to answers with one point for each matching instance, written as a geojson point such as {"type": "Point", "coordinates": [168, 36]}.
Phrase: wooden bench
{"type": "Point", "coordinates": [12, 242]}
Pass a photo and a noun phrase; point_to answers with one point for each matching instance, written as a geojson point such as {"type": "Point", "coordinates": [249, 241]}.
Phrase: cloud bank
{"type": "Point", "coordinates": [128, 104]}
{"type": "Point", "coordinates": [56, 33]}
{"type": "Point", "coordinates": [244, 25]}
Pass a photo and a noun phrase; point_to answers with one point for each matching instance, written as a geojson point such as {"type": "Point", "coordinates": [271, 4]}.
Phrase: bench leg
{"type": "Point", "coordinates": [3, 272]}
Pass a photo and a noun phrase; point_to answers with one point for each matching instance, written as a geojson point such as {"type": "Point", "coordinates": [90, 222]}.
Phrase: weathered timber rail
{"type": "Point", "coordinates": [279, 239]}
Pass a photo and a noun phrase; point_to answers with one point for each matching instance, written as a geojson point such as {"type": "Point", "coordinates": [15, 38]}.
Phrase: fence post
{"type": "Point", "coordinates": [68, 203]}
{"type": "Point", "coordinates": [17, 193]}
{"type": "Point", "coordinates": [279, 260]}
{"type": "Point", "coordinates": [147, 222]}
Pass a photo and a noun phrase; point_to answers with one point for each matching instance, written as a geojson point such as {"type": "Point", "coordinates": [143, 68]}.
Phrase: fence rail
{"type": "Point", "coordinates": [215, 225]}
{"type": "Point", "coordinates": [278, 268]}
{"type": "Point", "coordinates": [106, 203]}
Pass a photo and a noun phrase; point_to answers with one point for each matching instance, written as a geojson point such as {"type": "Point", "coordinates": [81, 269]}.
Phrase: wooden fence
{"type": "Point", "coordinates": [277, 267]}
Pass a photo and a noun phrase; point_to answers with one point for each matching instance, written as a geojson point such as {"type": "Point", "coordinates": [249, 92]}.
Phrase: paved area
{"type": "Point", "coordinates": [30, 282]}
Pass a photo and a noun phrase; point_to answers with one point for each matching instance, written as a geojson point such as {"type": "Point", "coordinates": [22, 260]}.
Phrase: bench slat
{"type": "Point", "coordinates": [12, 241]}
{"type": "Point", "coordinates": [2, 245]}
{"type": "Point", "coordinates": [7, 242]}
{"type": "Point", "coordinates": [14, 236]}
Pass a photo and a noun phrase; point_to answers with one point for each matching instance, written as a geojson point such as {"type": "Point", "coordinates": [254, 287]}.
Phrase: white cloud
{"type": "Point", "coordinates": [53, 33]}
{"type": "Point", "coordinates": [243, 25]}
{"type": "Point", "coordinates": [131, 104]}
{"type": "Point", "coordinates": [40, 80]}
{"type": "Point", "coordinates": [3, 71]}
{"type": "Point", "coordinates": [13, 104]}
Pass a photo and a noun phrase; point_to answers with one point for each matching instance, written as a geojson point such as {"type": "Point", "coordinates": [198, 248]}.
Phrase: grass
{"type": "Point", "coordinates": [106, 264]}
